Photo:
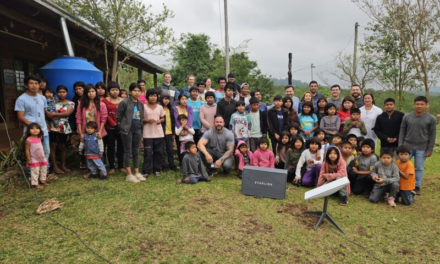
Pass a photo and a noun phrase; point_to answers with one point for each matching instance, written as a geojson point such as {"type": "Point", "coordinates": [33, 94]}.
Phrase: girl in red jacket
{"type": "Point", "coordinates": [332, 169]}
{"type": "Point", "coordinates": [263, 157]}
{"type": "Point", "coordinates": [244, 155]}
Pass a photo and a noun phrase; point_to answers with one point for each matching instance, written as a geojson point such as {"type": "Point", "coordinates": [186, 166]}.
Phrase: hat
{"type": "Point", "coordinates": [278, 97]}
{"type": "Point", "coordinates": [231, 75]}
{"type": "Point", "coordinates": [369, 142]}
{"type": "Point", "coordinates": [244, 84]}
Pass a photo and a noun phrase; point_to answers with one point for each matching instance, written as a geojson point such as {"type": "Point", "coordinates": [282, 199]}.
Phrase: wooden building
{"type": "Point", "coordinates": [31, 36]}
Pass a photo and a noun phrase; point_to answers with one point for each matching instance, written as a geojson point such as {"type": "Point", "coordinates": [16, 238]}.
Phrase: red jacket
{"type": "Point", "coordinates": [341, 171]}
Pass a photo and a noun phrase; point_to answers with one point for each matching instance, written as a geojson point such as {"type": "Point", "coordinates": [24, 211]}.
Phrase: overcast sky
{"type": "Point", "coordinates": [314, 31]}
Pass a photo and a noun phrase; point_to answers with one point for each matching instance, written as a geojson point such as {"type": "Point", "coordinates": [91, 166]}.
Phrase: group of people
{"type": "Point", "coordinates": [316, 139]}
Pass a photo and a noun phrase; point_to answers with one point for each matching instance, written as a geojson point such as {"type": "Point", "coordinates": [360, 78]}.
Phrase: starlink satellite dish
{"type": "Point", "coordinates": [326, 189]}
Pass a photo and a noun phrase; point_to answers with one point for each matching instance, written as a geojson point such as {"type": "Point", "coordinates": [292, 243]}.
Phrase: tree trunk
{"type": "Point", "coordinates": [115, 65]}
{"type": "Point", "coordinates": [106, 62]}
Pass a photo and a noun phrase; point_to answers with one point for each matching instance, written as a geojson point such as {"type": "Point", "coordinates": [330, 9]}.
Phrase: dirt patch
{"type": "Point", "coordinates": [2, 214]}
{"type": "Point", "coordinates": [298, 211]}
{"type": "Point", "coordinates": [154, 246]}
{"type": "Point", "coordinates": [202, 201]}
{"type": "Point", "coordinates": [253, 226]}
{"type": "Point", "coordinates": [404, 251]}
{"type": "Point", "coordinates": [361, 231]}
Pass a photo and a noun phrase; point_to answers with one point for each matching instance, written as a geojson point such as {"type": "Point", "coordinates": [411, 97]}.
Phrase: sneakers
{"type": "Point", "coordinates": [391, 202]}
{"type": "Point", "coordinates": [139, 177]}
{"type": "Point", "coordinates": [132, 178]}
{"type": "Point", "coordinates": [343, 200]}
{"type": "Point", "coordinates": [418, 191]}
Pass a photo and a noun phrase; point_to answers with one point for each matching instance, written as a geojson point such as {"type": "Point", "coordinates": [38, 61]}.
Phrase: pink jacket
{"type": "Point", "coordinates": [341, 171]}
{"type": "Point", "coordinates": [101, 116]}
{"type": "Point", "coordinates": [264, 159]}
{"type": "Point", "coordinates": [240, 156]}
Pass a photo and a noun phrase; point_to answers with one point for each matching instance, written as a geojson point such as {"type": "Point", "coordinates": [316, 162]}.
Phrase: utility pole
{"type": "Point", "coordinates": [353, 79]}
{"type": "Point", "coordinates": [226, 38]}
{"type": "Point", "coordinates": [311, 68]}
{"type": "Point", "coordinates": [289, 73]}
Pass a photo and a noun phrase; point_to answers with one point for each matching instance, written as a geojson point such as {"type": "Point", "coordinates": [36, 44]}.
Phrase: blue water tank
{"type": "Point", "coordinates": [68, 70]}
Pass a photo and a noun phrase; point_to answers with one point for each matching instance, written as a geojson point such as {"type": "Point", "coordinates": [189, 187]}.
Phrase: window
{"type": "Point", "coordinates": [23, 68]}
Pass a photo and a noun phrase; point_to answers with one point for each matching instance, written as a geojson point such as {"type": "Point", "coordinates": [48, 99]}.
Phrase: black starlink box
{"type": "Point", "coordinates": [264, 182]}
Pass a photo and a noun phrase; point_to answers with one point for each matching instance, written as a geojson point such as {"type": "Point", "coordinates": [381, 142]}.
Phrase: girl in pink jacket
{"type": "Point", "coordinates": [332, 169]}
{"type": "Point", "coordinates": [244, 156]}
{"type": "Point", "coordinates": [263, 157]}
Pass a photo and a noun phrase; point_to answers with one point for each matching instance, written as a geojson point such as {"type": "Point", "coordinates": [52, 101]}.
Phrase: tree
{"type": "Point", "coordinates": [196, 55]}
{"type": "Point", "coordinates": [418, 25]}
{"type": "Point", "coordinates": [127, 25]}
{"type": "Point", "coordinates": [391, 60]}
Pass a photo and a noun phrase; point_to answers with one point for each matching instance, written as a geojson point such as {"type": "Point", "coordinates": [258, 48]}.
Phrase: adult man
{"type": "Point", "coordinates": [336, 96]}
{"type": "Point", "coordinates": [355, 91]}
{"type": "Point", "coordinates": [30, 108]}
{"type": "Point", "coordinates": [313, 88]}
{"type": "Point", "coordinates": [236, 86]}
{"type": "Point", "coordinates": [216, 147]}
{"type": "Point", "coordinates": [289, 91]}
{"type": "Point", "coordinates": [257, 94]}
{"type": "Point", "coordinates": [190, 83]}
{"type": "Point", "coordinates": [220, 92]}
{"type": "Point", "coordinates": [387, 127]}
{"type": "Point", "coordinates": [168, 89]}
{"type": "Point", "coordinates": [417, 132]}
{"type": "Point", "coordinates": [226, 106]}
{"type": "Point", "coordinates": [244, 96]}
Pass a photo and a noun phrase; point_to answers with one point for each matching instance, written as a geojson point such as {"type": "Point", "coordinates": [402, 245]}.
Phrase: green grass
{"type": "Point", "coordinates": [158, 221]}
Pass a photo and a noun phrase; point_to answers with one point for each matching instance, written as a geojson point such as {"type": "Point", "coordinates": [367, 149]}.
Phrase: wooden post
{"type": "Point", "coordinates": [155, 80]}
{"type": "Point", "coordinates": [139, 74]}
{"type": "Point", "coordinates": [289, 73]}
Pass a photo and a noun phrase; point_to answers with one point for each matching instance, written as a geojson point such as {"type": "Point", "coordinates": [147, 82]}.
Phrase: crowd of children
{"type": "Point", "coordinates": [313, 146]}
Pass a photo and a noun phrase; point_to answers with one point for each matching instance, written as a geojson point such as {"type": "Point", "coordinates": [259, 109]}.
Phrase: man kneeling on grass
{"type": "Point", "coordinates": [192, 166]}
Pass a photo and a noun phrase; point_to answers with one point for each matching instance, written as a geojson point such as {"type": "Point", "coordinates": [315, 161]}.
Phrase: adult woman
{"type": "Point", "coordinates": [292, 115]}
{"type": "Point", "coordinates": [182, 109]}
{"type": "Point", "coordinates": [90, 108]}
{"type": "Point", "coordinates": [369, 113]}
{"type": "Point", "coordinates": [64, 108]}
{"type": "Point", "coordinates": [112, 128]}
{"type": "Point", "coordinates": [78, 87]}
{"type": "Point", "coordinates": [142, 85]}
{"type": "Point", "coordinates": [208, 84]}
{"type": "Point", "coordinates": [344, 111]}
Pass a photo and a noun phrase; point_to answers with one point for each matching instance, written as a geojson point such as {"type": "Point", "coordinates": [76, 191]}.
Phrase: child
{"type": "Point", "coordinates": [294, 130]}
{"type": "Point", "coordinates": [360, 179]}
{"type": "Point", "coordinates": [385, 174]}
{"type": "Point", "coordinates": [259, 123]}
{"type": "Point", "coordinates": [51, 101]}
{"type": "Point", "coordinates": [184, 132]}
{"type": "Point", "coordinates": [337, 140]}
{"type": "Point", "coordinates": [192, 167]}
{"type": "Point", "coordinates": [320, 135]}
{"type": "Point", "coordinates": [123, 94]}
{"type": "Point", "coordinates": [307, 97]}
{"type": "Point", "coordinates": [240, 123]}
{"type": "Point", "coordinates": [244, 156]}
{"type": "Point", "coordinates": [167, 126]}
{"type": "Point", "coordinates": [344, 110]}
{"type": "Point", "coordinates": [308, 121]}
{"type": "Point", "coordinates": [36, 161]}
{"type": "Point", "coordinates": [263, 157]}
{"type": "Point", "coordinates": [407, 182]}
{"type": "Point", "coordinates": [195, 104]}
{"type": "Point", "coordinates": [360, 140]}
{"type": "Point", "coordinates": [347, 155]}
{"type": "Point", "coordinates": [331, 122]}
{"type": "Point", "coordinates": [277, 120]}
{"type": "Point", "coordinates": [313, 159]}
{"type": "Point", "coordinates": [320, 109]}
{"type": "Point", "coordinates": [93, 148]}
{"type": "Point", "coordinates": [293, 155]}
{"type": "Point", "coordinates": [354, 125]}
{"type": "Point", "coordinates": [332, 169]}
{"type": "Point", "coordinates": [352, 138]}
{"type": "Point", "coordinates": [282, 147]}
{"type": "Point", "coordinates": [201, 86]}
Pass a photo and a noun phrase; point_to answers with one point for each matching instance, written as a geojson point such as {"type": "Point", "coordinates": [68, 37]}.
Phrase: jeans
{"type": "Point", "coordinates": [46, 148]}
{"type": "Point", "coordinates": [95, 166]}
{"type": "Point", "coordinates": [153, 154]}
{"type": "Point", "coordinates": [407, 197]}
{"type": "Point", "coordinates": [194, 180]}
{"type": "Point", "coordinates": [111, 139]}
{"type": "Point", "coordinates": [419, 163]}
{"type": "Point", "coordinates": [168, 150]}
{"type": "Point", "coordinates": [216, 155]}
{"type": "Point", "coordinates": [131, 143]}
{"type": "Point", "coordinates": [379, 191]}
{"type": "Point", "coordinates": [359, 183]}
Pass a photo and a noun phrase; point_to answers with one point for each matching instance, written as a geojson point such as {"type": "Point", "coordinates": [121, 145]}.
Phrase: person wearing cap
{"type": "Point", "coordinates": [190, 83]}
{"type": "Point", "coordinates": [236, 86]}
{"type": "Point", "coordinates": [196, 104]}
{"type": "Point", "coordinates": [167, 88]}
{"type": "Point", "coordinates": [277, 121]}
{"type": "Point", "coordinates": [244, 96]}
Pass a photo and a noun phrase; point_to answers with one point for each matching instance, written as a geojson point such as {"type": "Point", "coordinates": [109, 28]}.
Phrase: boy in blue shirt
{"type": "Point", "coordinates": [196, 104]}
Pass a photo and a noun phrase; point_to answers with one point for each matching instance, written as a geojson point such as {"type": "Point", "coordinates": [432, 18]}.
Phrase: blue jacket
{"type": "Point", "coordinates": [92, 146]}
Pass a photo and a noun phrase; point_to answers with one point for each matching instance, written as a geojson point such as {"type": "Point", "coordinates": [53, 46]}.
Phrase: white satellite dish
{"type": "Point", "coordinates": [326, 189]}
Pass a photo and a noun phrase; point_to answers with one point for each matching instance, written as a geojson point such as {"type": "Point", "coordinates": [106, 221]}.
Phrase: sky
{"type": "Point", "coordinates": [313, 31]}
